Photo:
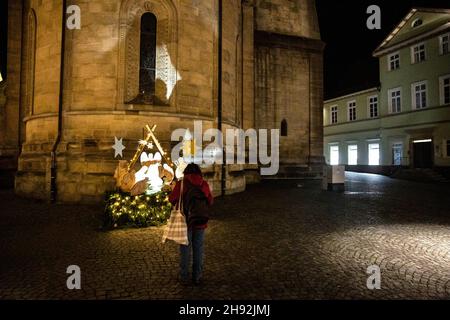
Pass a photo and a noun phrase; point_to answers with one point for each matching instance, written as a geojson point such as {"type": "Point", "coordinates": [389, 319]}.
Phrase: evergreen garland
{"type": "Point", "coordinates": [123, 209]}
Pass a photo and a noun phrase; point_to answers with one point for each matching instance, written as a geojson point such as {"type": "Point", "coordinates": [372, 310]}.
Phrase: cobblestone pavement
{"type": "Point", "coordinates": [278, 240]}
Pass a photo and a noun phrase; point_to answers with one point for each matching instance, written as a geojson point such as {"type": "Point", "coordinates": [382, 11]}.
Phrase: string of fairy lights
{"type": "Point", "coordinates": [141, 210]}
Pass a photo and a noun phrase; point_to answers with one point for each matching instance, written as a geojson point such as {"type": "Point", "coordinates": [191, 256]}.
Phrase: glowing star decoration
{"type": "Point", "coordinates": [148, 144]}
{"type": "Point", "coordinates": [118, 147]}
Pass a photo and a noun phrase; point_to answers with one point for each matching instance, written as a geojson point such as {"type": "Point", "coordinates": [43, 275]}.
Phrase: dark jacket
{"type": "Point", "coordinates": [189, 181]}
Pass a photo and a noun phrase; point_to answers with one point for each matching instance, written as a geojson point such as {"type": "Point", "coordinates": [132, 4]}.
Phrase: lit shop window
{"type": "Point", "coordinates": [374, 154]}
{"type": "Point", "coordinates": [334, 155]}
{"type": "Point", "coordinates": [353, 155]}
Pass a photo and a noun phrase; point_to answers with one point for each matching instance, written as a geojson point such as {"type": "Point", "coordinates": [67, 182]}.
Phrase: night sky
{"type": "Point", "coordinates": [349, 65]}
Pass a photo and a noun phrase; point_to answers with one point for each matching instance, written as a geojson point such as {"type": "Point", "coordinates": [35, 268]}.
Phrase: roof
{"type": "Point", "coordinates": [351, 95]}
{"type": "Point", "coordinates": [433, 21]}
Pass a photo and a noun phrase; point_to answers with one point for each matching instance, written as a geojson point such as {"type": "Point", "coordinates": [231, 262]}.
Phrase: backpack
{"type": "Point", "coordinates": [196, 207]}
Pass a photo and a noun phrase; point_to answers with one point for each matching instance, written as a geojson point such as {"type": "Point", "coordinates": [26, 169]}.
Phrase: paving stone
{"type": "Point", "coordinates": [274, 241]}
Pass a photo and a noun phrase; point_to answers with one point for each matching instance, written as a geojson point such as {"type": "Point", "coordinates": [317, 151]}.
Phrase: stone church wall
{"type": "Point", "coordinates": [288, 84]}
{"type": "Point", "coordinates": [289, 17]}
{"type": "Point", "coordinates": [100, 77]}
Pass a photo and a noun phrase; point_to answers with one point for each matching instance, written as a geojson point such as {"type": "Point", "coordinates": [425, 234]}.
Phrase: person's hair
{"type": "Point", "coordinates": [192, 168]}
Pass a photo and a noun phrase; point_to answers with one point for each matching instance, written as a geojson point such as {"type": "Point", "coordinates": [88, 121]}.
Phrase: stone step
{"type": "Point", "coordinates": [427, 175]}
{"type": "Point", "coordinates": [296, 172]}
{"type": "Point", "coordinates": [8, 168]}
{"type": "Point", "coordinates": [7, 179]}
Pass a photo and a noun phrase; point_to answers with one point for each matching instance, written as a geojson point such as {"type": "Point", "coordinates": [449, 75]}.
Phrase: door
{"type": "Point", "coordinates": [397, 154]}
{"type": "Point", "coordinates": [423, 154]}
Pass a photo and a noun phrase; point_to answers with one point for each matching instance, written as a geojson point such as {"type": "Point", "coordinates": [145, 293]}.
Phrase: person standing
{"type": "Point", "coordinates": [196, 194]}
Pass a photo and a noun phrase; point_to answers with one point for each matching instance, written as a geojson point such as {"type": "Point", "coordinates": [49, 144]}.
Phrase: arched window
{"type": "Point", "coordinates": [147, 63]}
{"type": "Point", "coordinates": [417, 23]}
{"type": "Point", "coordinates": [284, 128]}
{"type": "Point", "coordinates": [148, 54]}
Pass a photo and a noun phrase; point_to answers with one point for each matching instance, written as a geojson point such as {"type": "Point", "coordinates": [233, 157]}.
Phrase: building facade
{"type": "Point", "coordinates": [230, 63]}
{"type": "Point", "coordinates": [406, 120]}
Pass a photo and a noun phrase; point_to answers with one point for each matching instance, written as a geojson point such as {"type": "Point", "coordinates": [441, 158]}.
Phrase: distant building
{"type": "Point", "coordinates": [405, 121]}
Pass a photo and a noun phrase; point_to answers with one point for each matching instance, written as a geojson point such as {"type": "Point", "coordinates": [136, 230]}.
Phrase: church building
{"type": "Point", "coordinates": [67, 92]}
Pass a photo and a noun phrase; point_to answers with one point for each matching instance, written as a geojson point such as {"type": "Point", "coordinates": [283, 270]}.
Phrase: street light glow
{"type": "Point", "coordinates": [422, 141]}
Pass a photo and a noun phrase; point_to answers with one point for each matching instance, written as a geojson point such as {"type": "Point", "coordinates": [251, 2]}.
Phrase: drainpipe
{"type": "Point", "coordinates": [53, 172]}
{"type": "Point", "coordinates": [22, 59]}
{"type": "Point", "coordinates": [309, 108]}
{"type": "Point", "coordinates": [242, 65]}
{"type": "Point", "coordinates": [219, 98]}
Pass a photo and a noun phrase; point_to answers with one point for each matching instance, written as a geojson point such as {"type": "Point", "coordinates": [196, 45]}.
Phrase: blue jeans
{"type": "Point", "coordinates": [196, 237]}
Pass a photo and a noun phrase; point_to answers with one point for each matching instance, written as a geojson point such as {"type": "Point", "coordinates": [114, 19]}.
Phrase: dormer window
{"type": "Point", "coordinates": [417, 23]}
